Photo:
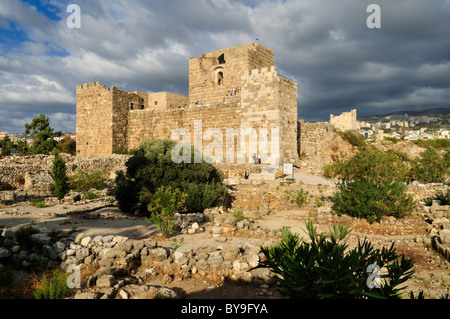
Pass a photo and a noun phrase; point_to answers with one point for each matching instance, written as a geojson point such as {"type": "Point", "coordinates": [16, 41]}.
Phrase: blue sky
{"type": "Point", "coordinates": [324, 45]}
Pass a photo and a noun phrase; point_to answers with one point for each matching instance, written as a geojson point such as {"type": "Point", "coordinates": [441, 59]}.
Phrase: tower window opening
{"type": "Point", "coordinates": [220, 78]}
{"type": "Point", "coordinates": [221, 58]}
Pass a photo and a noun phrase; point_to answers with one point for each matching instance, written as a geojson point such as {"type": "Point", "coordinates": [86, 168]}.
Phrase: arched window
{"type": "Point", "coordinates": [220, 78]}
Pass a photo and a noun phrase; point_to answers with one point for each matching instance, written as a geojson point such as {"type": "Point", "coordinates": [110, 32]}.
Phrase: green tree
{"type": "Point", "coordinates": [152, 166]}
{"type": "Point", "coordinates": [21, 147]}
{"type": "Point", "coordinates": [431, 167]}
{"type": "Point", "coordinates": [60, 175]}
{"type": "Point", "coordinates": [67, 145]}
{"type": "Point", "coordinates": [43, 135]}
{"type": "Point", "coordinates": [5, 146]}
{"type": "Point", "coordinates": [371, 185]}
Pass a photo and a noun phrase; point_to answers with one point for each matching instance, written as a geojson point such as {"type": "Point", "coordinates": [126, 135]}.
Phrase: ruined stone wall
{"type": "Point", "coordinates": [320, 145]}
{"type": "Point", "coordinates": [344, 122]}
{"type": "Point", "coordinates": [25, 177]}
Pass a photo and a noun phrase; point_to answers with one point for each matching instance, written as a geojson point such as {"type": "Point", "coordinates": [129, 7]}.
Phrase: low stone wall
{"type": "Point", "coordinates": [437, 217]}
{"type": "Point", "coordinates": [422, 192]}
{"type": "Point", "coordinates": [26, 177]}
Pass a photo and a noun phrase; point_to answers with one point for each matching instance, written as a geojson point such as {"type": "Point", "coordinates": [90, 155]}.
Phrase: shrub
{"type": "Point", "coordinates": [371, 185]}
{"type": "Point", "coordinates": [53, 288]}
{"type": "Point", "coordinates": [60, 175]}
{"type": "Point", "coordinates": [354, 139]}
{"type": "Point", "coordinates": [239, 215]}
{"type": "Point", "coordinates": [371, 199]}
{"type": "Point", "coordinates": [392, 139]}
{"type": "Point", "coordinates": [430, 168]}
{"type": "Point", "coordinates": [163, 206]}
{"type": "Point", "coordinates": [440, 144]}
{"type": "Point", "coordinates": [369, 163]}
{"type": "Point", "coordinates": [122, 150]}
{"type": "Point", "coordinates": [325, 268]}
{"type": "Point", "coordinates": [152, 166]}
{"type": "Point", "coordinates": [7, 276]}
{"type": "Point", "coordinates": [444, 197]}
{"type": "Point", "coordinates": [38, 204]}
{"type": "Point", "coordinates": [23, 236]}
{"type": "Point", "coordinates": [67, 145]}
{"type": "Point", "coordinates": [89, 195]}
{"type": "Point", "coordinates": [85, 181]}
{"type": "Point", "coordinates": [299, 197]}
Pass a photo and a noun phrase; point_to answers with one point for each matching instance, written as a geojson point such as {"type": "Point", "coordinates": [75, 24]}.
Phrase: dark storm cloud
{"type": "Point", "coordinates": [326, 46]}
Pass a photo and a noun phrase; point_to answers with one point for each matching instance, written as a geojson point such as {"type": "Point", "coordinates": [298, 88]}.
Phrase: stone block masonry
{"type": "Point", "coordinates": [234, 88]}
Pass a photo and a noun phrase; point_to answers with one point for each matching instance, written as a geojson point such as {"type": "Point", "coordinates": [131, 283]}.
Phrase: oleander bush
{"type": "Point", "coordinates": [324, 268]}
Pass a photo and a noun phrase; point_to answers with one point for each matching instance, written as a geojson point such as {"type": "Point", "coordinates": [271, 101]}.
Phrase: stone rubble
{"type": "Point", "coordinates": [123, 265]}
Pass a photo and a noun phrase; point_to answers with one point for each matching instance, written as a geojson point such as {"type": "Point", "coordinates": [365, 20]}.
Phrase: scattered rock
{"type": "Point", "coordinates": [105, 281]}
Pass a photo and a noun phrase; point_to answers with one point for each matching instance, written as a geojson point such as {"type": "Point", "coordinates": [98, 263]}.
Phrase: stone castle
{"type": "Point", "coordinates": [231, 90]}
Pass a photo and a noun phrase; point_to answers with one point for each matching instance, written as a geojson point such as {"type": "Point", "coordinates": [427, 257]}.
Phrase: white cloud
{"type": "Point", "coordinates": [145, 45]}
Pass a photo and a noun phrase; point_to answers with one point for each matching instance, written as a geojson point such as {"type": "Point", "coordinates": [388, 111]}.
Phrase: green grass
{"type": "Point", "coordinates": [38, 203]}
{"type": "Point", "coordinates": [439, 144]}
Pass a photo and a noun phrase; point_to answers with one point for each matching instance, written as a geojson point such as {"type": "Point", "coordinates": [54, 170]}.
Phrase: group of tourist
{"type": "Point", "coordinates": [256, 160]}
{"type": "Point", "coordinates": [233, 91]}
{"type": "Point", "coordinates": [184, 105]}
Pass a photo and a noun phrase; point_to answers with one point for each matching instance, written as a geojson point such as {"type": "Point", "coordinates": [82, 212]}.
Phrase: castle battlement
{"type": "Point", "coordinates": [258, 74]}
{"type": "Point", "coordinates": [91, 85]}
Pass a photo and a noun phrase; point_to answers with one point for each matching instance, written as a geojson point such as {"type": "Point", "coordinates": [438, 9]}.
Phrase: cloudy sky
{"type": "Point", "coordinates": [324, 45]}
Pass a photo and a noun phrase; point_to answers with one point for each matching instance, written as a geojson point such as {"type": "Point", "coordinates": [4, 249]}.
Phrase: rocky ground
{"type": "Point", "coordinates": [210, 256]}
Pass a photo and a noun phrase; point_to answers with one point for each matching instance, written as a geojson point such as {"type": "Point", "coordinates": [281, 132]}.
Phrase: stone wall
{"type": "Point", "coordinates": [320, 145]}
{"type": "Point", "coordinates": [204, 70]}
{"type": "Point", "coordinates": [161, 124]}
{"type": "Point", "coordinates": [270, 102]}
{"type": "Point", "coordinates": [26, 177]}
